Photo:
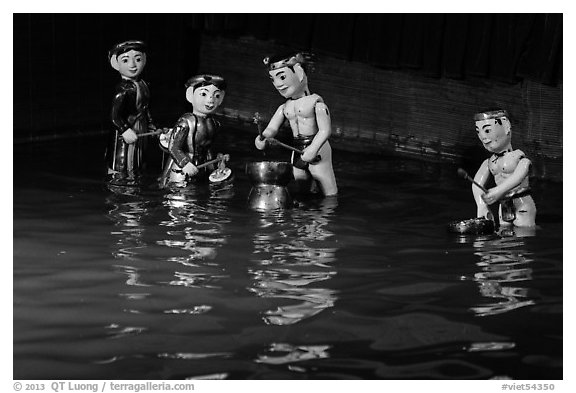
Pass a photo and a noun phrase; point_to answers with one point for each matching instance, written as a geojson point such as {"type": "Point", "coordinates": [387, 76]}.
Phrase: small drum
{"type": "Point", "coordinates": [472, 226]}
{"type": "Point", "coordinates": [165, 140]}
{"type": "Point", "coordinates": [220, 174]}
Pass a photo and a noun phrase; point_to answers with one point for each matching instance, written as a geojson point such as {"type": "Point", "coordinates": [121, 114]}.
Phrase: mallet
{"type": "Point", "coordinates": [462, 173]}
{"type": "Point", "coordinates": [300, 163]}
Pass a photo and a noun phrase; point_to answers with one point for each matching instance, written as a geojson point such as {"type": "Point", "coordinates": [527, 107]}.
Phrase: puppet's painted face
{"type": "Point", "coordinates": [495, 137]}
{"type": "Point", "coordinates": [131, 64]}
{"type": "Point", "coordinates": [287, 82]}
{"type": "Point", "coordinates": [206, 99]}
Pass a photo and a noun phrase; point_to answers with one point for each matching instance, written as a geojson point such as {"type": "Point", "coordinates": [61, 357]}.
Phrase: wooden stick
{"type": "Point", "coordinates": [257, 121]}
{"type": "Point", "coordinates": [224, 157]}
{"type": "Point", "coordinates": [165, 175]}
{"type": "Point", "coordinates": [272, 140]}
{"type": "Point", "coordinates": [465, 175]}
{"type": "Point", "coordinates": [277, 142]}
{"type": "Point", "coordinates": [151, 133]}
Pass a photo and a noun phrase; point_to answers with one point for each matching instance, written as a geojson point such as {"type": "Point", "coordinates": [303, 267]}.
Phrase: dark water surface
{"type": "Point", "coordinates": [193, 284]}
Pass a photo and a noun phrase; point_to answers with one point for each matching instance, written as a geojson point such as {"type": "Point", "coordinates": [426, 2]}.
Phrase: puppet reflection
{"type": "Point", "coordinates": [294, 258]}
{"type": "Point", "coordinates": [504, 274]}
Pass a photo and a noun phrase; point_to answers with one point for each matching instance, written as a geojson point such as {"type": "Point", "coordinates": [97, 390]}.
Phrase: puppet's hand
{"type": "Point", "coordinates": [492, 196]}
{"type": "Point", "coordinates": [162, 132]}
{"type": "Point", "coordinates": [190, 169]}
{"type": "Point", "coordinates": [260, 143]}
{"type": "Point", "coordinates": [129, 136]}
{"type": "Point", "coordinates": [309, 156]}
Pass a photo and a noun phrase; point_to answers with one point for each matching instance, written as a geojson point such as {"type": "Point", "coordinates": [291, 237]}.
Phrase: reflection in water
{"type": "Point", "coordinates": [289, 353]}
{"type": "Point", "coordinates": [197, 218]}
{"type": "Point", "coordinates": [127, 209]}
{"type": "Point", "coordinates": [491, 346]}
{"type": "Point", "coordinates": [195, 228]}
{"type": "Point", "coordinates": [198, 215]}
{"type": "Point", "coordinates": [504, 264]}
{"type": "Point", "coordinates": [293, 256]}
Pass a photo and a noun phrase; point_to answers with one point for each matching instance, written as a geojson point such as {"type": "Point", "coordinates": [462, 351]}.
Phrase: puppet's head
{"type": "Point", "coordinates": [128, 58]}
{"type": "Point", "coordinates": [288, 74]}
{"type": "Point", "coordinates": [205, 93]}
{"type": "Point", "coordinates": [494, 130]}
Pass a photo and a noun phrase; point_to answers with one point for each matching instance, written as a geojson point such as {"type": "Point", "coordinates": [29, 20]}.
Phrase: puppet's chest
{"type": "Point", "coordinates": [202, 133]}
{"type": "Point", "coordinates": [505, 164]}
{"type": "Point", "coordinates": [300, 108]}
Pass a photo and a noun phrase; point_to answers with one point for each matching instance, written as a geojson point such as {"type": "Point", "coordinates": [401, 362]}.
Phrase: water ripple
{"type": "Point", "coordinates": [293, 353]}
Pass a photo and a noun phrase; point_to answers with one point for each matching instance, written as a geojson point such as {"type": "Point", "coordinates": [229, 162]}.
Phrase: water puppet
{"type": "Point", "coordinates": [309, 120]}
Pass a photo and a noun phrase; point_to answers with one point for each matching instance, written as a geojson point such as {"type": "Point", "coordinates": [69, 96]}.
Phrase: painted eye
{"type": "Point", "coordinates": [217, 96]}
{"type": "Point", "coordinates": [283, 77]}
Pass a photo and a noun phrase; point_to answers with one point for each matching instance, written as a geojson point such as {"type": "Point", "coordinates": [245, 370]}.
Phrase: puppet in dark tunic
{"type": "Point", "coordinates": [130, 111]}
{"type": "Point", "coordinates": [190, 141]}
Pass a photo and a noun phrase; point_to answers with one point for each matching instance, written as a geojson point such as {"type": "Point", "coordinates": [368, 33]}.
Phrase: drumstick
{"type": "Point", "coordinates": [462, 173]}
{"type": "Point", "coordinates": [151, 133]}
{"type": "Point", "coordinates": [276, 141]}
{"type": "Point", "coordinates": [257, 121]}
{"type": "Point", "coordinates": [225, 157]}
{"type": "Point", "coordinates": [164, 177]}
